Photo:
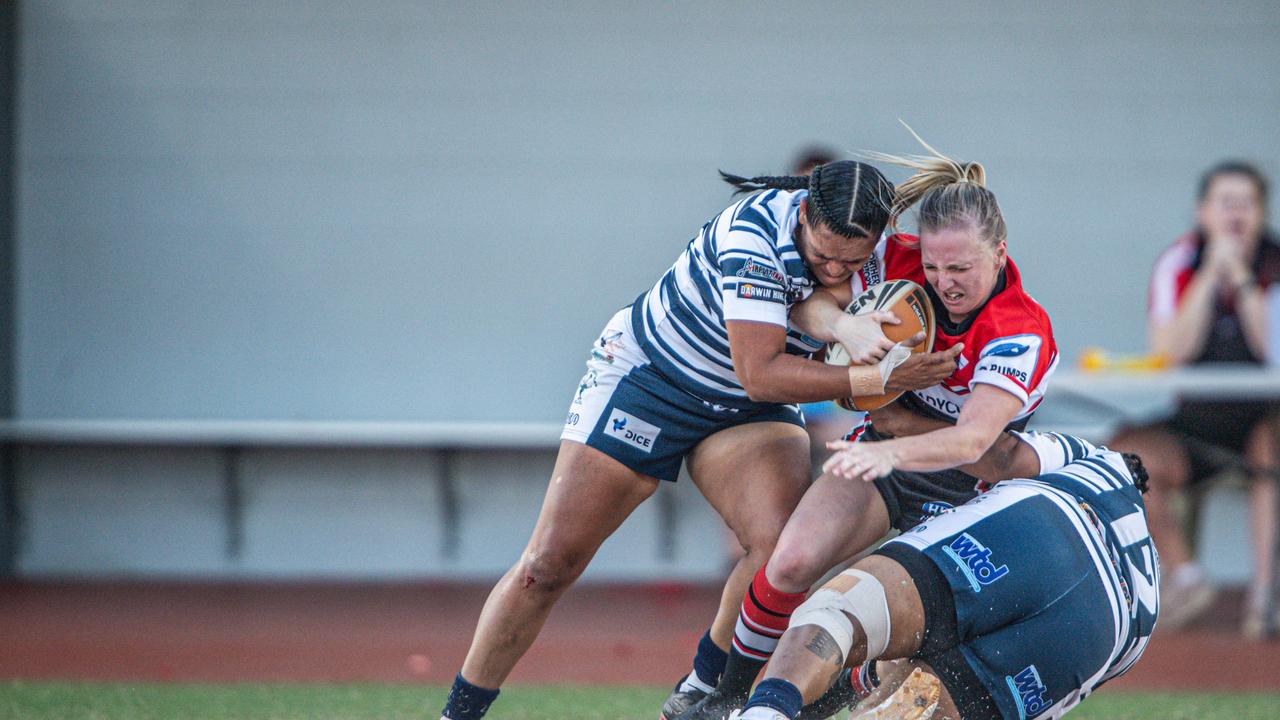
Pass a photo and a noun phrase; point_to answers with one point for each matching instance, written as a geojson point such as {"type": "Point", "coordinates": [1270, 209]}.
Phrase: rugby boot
{"type": "Point", "coordinates": [679, 701]}
{"type": "Point", "coordinates": [916, 699]}
{"type": "Point", "coordinates": [715, 706]}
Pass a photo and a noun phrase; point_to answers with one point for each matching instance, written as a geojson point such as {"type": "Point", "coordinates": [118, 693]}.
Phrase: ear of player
{"type": "Point", "coordinates": [909, 302]}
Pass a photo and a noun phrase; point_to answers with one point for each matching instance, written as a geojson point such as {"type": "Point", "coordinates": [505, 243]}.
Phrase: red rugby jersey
{"type": "Point", "coordinates": [1007, 343]}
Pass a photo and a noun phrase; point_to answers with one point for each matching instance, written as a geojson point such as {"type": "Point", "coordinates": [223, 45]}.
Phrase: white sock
{"type": "Point", "coordinates": [693, 682]}
{"type": "Point", "coordinates": [762, 713]}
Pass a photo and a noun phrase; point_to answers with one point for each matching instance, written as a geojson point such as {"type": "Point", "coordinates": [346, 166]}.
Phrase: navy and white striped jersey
{"type": "Point", "coordinates": [1098, 479]}
{"type": "Point", "coordinates": [743, 265]}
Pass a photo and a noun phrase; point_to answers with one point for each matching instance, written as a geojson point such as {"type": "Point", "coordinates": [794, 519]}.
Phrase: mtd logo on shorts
{"type": "Point", "coordinates": [975, 561]}
{"type": "Point", "coordinates": [632, 430]}
{"type": "Point", "coordinates": [1029, 692]}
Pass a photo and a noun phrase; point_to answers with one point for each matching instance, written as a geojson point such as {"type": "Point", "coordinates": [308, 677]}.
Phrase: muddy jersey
{"type": "Point", "coordinates": [1008, 342]}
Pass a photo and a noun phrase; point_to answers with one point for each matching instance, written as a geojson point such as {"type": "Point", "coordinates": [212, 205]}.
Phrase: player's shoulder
{"type": "Point", "coordinates": [901, 254]}
{"type": "Point", "coordinates": [1013, 312]}
{"type": "Point", "coordinates": [757, 219]}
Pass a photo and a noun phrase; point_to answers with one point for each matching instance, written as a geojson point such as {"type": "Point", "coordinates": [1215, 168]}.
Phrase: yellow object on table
{"type": "Point", "coordinates": [1095, 359]}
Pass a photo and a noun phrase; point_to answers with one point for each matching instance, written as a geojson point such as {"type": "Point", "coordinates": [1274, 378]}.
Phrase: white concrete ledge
{"type": "Point", "coordinates": [284, 433]}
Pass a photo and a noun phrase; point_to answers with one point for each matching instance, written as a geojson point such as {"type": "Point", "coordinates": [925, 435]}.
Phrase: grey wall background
{"type": "Point", "coordinates": [401, 210]}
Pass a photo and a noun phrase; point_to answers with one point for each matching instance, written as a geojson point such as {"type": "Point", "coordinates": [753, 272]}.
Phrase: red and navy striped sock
{"type": "Point", "coordinates": [761, 622]}
{"type": "Point", "coordinates": [764, 617]}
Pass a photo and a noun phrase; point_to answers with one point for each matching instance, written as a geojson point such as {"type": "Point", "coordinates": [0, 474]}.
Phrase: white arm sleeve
{"type": "Point", "coordinates": [1056, 450]}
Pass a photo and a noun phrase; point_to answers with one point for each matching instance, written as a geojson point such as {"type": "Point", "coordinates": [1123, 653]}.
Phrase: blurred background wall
{"type": "Point", "coordinates": [332, 210]}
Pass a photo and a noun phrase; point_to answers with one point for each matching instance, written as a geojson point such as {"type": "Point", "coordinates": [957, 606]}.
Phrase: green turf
{"type": "Point", "coordinates": [84, 701]}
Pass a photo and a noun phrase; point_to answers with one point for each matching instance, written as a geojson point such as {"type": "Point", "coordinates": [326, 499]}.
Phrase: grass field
{"type": "Point", "coordinates": [83, 701]}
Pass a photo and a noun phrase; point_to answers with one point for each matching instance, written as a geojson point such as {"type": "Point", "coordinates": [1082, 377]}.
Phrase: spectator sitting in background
{"type": "Point", "coordinates": [1206, 304]}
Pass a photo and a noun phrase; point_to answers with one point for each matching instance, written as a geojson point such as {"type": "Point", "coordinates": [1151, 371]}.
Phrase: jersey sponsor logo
{"type": "Point", "coordinates": [760, 270]}
{"type": "Point", "coordinates": [590, 380]}
{"type": "Point", "coordinates": [1013, 372]}
{"type": "Point", "coordinates": [611, 342]}
{"type": "Point", "coordinates": [974, 560]}
{"type": "Point", "coordinates": [632, 430]}
{"type": "Point", "coordinates": [755, 292]}
{"type": "Point", "coordinates": [936, 507]}
{"type": "Point", "coordinates": [1009, 349]}
{"type": "Point", "coordinates": [1013, 356]}
{"type": "Point", "coordinates": [871, 271]}
{"type": "Point", "coordinates": [1029, 691]}
{"type": "Point", "coordinates": [941, 404]}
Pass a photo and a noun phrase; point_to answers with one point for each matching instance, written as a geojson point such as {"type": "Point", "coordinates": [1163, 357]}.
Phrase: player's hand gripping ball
{"type": "Point", "coordinates": [909, 302]}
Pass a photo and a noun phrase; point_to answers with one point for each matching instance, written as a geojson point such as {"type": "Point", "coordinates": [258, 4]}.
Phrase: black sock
{"type": "Point", "coordinates": [740, 673]}
{"type": "Point", "coordinates": [467, 701]}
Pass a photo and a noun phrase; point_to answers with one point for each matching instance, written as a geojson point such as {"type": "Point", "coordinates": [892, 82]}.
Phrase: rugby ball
{"type": "Point", "coordinates": [911, 304]}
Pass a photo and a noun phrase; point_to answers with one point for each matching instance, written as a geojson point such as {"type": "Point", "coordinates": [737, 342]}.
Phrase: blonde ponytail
{"type": "Point", "coordinates": [948, 192]}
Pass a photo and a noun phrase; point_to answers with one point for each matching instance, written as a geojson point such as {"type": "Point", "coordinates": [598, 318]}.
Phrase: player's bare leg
{"type": "Point", "coordinates": [589, 496]}
{"type": "Point", "coordinates": [827, 635]}
{"type": "Point", "coordinates": [805, 654]}
{"type": "Point", "coordinates": [753, 475]}
{"type": "Point", "coordinates": [834, 521]}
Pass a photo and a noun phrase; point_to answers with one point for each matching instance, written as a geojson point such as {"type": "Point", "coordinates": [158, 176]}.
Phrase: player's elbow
{"type": "Point", "coordinates": [971, 448]}
{"type": "Point", "coordinates": [760, 391]}
{"type": "Point", "coordinates": [756, 380]}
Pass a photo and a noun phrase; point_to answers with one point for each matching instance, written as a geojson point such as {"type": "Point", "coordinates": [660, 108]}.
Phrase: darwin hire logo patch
{"type": "Point", "coordinates": [632, 430]}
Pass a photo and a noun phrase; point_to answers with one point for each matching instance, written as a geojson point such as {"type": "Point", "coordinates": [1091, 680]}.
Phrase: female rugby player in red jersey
{"type": "Point", "coordinates": [1008, 354]}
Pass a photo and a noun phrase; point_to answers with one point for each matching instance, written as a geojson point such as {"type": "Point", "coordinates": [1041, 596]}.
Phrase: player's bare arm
{"type": "Point", "coordinates": [769, 374]}
{"type": "Point", "coordinates": [984, 417]}
{"type": "Point", "coordinates": [822, 317]}
{"type": "Point", "coordinates": [1007, 458]}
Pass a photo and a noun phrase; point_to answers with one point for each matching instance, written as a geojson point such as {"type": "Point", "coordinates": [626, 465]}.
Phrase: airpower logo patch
{"type": "Point", "coordinates": [632, 430]}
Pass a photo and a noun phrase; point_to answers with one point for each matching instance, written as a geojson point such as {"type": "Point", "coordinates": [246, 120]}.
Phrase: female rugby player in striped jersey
{"type": "Point", "coordinates": [982, 596]}
{"type": "Point", "coordinates": [704, 368]}
{"type": "Point", "coordinates": [1007, 354]}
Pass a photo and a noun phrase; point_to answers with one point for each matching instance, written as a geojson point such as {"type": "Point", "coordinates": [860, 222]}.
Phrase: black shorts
{"type": "Point", "coordinates": [1215, 433]}
{"type": "Point", "coordinates": [911, 497]}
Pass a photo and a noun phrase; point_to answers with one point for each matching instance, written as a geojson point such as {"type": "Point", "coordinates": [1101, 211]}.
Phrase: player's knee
{"type": "Point", "coordinates": [549, 572]}
{"type": "Point", "coordinates": [794, 567]}
{"type": "Point", "coordinates": [758, 547]}
{"type": "Point", "coordinates": [836, 610]}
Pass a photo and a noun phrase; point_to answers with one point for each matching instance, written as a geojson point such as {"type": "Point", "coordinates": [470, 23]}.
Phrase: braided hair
{"type": "Point", "coordinates": [851, 198]}
{"type": "Point", "coordinates": [1139, 473]}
